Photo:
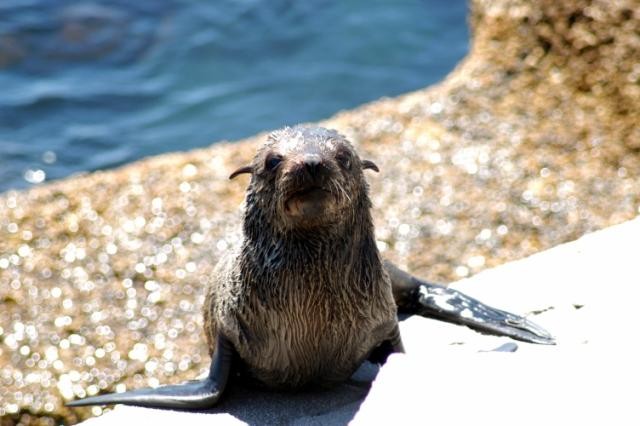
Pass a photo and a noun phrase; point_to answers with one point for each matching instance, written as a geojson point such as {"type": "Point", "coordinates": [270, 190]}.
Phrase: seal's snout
{"type": "Point", "coordinates": [312, 164]}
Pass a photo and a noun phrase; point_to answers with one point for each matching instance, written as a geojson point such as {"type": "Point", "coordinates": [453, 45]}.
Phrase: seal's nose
{"type": "Point", "coordinates": [312, 163]}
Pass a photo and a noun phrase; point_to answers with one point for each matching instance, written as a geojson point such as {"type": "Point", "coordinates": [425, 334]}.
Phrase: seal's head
{"type": "Point", "coordinates": [306, 177]}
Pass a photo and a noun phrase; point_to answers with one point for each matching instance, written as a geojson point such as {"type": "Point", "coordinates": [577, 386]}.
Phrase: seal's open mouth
{"type": "Point", "coordinates": [306, 202]}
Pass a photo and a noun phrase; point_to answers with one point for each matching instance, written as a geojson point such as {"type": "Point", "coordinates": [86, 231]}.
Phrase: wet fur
{"type": "Point", "coordinates": [303, 302]}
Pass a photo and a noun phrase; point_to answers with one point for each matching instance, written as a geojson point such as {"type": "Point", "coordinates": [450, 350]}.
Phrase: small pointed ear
{"type": "Point", "coordinates": [368, 164]}
{"type": "Point", "coordinates": [241, 170]}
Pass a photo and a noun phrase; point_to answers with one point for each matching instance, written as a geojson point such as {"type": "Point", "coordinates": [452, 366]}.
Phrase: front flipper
{"type": "Point", "coordinates": [415, 296]}
{"type": "Point", "coordinates": [191, 395]}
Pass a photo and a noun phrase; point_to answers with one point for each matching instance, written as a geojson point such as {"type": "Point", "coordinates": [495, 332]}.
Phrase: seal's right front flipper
{"type": "Point", "coordinates": [191, 395]}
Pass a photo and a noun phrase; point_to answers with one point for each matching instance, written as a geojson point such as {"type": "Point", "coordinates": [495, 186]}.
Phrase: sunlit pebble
{"type": "Point", "coordinates": [484, 235]}
{"type": "Point", "coordinates": [43, 243]}
{"type": "Point", "coordinates": [462, 271]}
{"type": "Point", "coordinates": [96, 411]}
{"type": "Point", "coordinates": [65, 386]}
{"type": "Point", "coordinates": [115, 356]}
{"type": "Point", "coordinates": [402, 247]}
{"type": "Point", "coordinates": [156, 205]}
{"type": "Point", "coordinates": [129, 226]}
{"type": "Point", "coordinates": [445, 201]}
{"type": "Point", "coordinates": [151, 285]}
{"type": "Point", "coordinates": [205, 224]}
{"type": "Point", "coordinates": [11, 201]}
{"type": "Point", "coordinates": [184, 365]}
{"type": "Point", "coordinates": [62, 321]}
{"type": "Point", "coordinates": [31, 332]}
{"type": "Point", "coordinates": [154, 297]}
{"type": "Point", "coordinates": [51, 353]}
{"type": "Point", "coordinates": [151, 366]}
{"type": "Point", "coordinates": [444, 227]}
{"type": "Point", "coordinates": [197, 238]}
{"type": "Point", "coordinates": [434, 158]}
{"type": "Point", "coordinates": [90, 361]}
{"type": "Point", "coordinates": [404, 229]}
{"type": "Point", "coordinates": [137, 189]}
{"type": "Point", "coordinates": [15, 259]}
{"type": "Point", "coordinates": [121, 387]}
{"type": "Point", "coordinates": [184, 305]}
{"type": "Point", "coordinates": [189, 170]}
{"type": "Point", "coordinates": [435, 108]}
{"type": "Point", "coordinates": [72, 226]}
{"type": "Point", "coordinates": [222, 245]}
{"type": "Point", "coordinates": [167, 354]}
{"type": "Point", "coordinates": [191, 211]}
{"type": "Point", "coordinates": [79, 391]}
{"type": "Point", "coordinates": [159, 341]}
{"type": "Point", "coordinates": [76, 339]}
{"type": "Point", "coordinates": [476, 261]}
{"type": "Point", "coordinates": [139, 222]}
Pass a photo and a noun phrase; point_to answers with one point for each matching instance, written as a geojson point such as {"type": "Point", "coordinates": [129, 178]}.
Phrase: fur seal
{"type": "Point", "coordinates": [306, 297]}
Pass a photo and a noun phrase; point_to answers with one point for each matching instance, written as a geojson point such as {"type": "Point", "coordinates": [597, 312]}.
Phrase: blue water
{"type": "Point", "coordinates": [92, 85]}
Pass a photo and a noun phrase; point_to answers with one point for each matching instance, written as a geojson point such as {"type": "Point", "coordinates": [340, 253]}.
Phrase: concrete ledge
{"type": "Point", "coordinates": [585, 292]}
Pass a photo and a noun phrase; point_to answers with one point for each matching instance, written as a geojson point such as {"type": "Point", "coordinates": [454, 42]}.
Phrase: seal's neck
{"type": "Point", "coordinates": [349, 242]}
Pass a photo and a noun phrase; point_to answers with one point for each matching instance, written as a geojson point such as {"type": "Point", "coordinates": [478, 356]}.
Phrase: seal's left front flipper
{"type": "Point", "coordinates": [197, 394]}
{"type": "Point", "coordinates": [415, 296]}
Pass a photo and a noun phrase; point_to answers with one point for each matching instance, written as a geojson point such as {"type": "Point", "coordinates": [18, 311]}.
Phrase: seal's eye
{"type": "Point", "coordinates": [344, 160]}
{"type": "Point", "coordinates": [272, 162]}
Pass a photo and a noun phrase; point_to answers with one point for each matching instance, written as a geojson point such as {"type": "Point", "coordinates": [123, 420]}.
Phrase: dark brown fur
{"type": "Point", "coordinates": [304, 299]}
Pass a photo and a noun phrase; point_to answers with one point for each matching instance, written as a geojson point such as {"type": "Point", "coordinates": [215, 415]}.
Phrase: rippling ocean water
{"type": "Point", "coordinates": [87, 85]}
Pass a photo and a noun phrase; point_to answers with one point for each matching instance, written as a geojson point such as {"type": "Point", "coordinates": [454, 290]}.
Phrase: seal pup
{"type": "Point", "coordinates": [306, 298]}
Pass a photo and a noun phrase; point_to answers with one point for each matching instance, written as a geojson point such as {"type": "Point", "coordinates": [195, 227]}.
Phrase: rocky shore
{"type": "Point", "coordinates": [532, 141]}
